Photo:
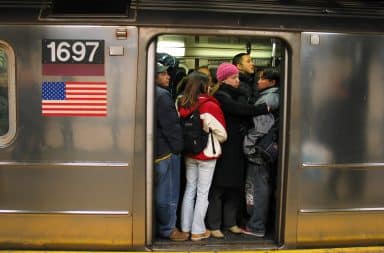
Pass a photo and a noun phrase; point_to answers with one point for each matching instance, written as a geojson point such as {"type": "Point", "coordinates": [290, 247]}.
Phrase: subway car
{"type": "Point", "coordinates": [77, 117]}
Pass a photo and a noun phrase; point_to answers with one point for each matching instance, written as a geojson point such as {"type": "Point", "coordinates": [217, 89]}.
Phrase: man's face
{"type": "Point", "coordinates": [162, 79]}
{"type": "Point", "coordinates": [264, 83]}
{"type": "Point", "coordinates": [246, 65]}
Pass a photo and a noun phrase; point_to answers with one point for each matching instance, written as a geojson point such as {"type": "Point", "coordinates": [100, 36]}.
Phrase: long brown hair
{"type": "Point", "coordinates": [197, 83]}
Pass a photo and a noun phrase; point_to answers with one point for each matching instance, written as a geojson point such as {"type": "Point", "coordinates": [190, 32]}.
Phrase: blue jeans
{"type": "Point", "coordinates": [167, 188]}
{"type": "Point", "coordinates": [259, 175]}
{"type": "Point", "coordinates": [199, 176]}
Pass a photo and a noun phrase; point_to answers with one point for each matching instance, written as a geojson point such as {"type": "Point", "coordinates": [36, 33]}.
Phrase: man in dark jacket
{"type": "Point", "coordinates": [261, 160]}
{"type": "Point", "coordinates": [246, 68]}
{"type": "Point", "coordinates": [169, 144]}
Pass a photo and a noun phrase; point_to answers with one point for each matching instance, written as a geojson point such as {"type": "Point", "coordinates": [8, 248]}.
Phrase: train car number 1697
{"type": "Point", "coordinates": [73, 51]}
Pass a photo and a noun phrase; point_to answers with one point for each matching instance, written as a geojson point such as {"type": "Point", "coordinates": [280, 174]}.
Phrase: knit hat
{"type": "Point", "coordinates": [160, 68]}
{"type": "Point", "coordinates": [225, 70]}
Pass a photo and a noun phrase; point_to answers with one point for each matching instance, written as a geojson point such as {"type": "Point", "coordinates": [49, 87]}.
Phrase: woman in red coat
{"type": "Point", "coordinates": [201, 166]}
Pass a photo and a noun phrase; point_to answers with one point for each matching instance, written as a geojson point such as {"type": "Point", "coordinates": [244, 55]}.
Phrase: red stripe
{"type": "Point", "coordinates": [86, 88]}
{"type": "Point", "coordinates": [86, 93]}
{"type": "Point", "coordinates": [74, 114]}
{"type": "Point", "coordinates": [73, 69]}
{"type": "Point", "coordinates": [87, 104]}
{"type": "Point", "coordinates": [96, 83]}
{"type": "Point", "coordinates": [100, 99]}
{"type": "Point", "coordinates": [74, 109]}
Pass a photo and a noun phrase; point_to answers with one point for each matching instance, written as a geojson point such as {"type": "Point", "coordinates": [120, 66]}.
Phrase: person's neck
{"type": "Point", "coordinates": [162, 86]}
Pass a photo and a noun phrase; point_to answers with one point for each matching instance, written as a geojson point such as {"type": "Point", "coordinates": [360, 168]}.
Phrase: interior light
{"type": "Point", "coordinates": [174, 48]}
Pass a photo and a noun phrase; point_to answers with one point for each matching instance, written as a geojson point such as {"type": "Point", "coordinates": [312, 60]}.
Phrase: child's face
{"type": "Point", "coordinates": [233, 80]}
{"type": "Point", "coordinates": [264, 83]}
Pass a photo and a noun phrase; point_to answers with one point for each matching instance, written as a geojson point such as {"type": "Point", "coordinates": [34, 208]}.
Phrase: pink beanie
{"type": "Point", "coordinates": [225, 70]}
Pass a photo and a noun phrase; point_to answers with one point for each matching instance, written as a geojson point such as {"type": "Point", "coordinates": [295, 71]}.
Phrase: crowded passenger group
{"type": "Point", "coordinates": [228, 177]}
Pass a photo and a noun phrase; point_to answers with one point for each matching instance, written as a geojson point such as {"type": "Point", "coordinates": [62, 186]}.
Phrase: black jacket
{"type": "Point", "coordinates": [168, 129]}
{"type": "Point", "coordinates": [230, 167]}
{"type": "Point", "coordinates": [248, 87]}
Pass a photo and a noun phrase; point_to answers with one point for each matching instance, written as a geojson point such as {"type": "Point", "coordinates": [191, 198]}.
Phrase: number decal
{"type": "Point", "coordinates": [63, 53]}
{"type": "Point", "coordinates": [79, 51]}
{"type": "Point", "coordinates": [52, 46]}
{"type": "Point", "coordinates": [93, 44]}
{"type": "Point", "coordinates": [73, 51]}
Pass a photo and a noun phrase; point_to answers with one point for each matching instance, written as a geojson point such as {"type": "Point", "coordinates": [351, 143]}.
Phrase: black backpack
{"type": "Point", "coordinates": [267, 145]}
{"type": "Point", "coordinates": [194, 137]}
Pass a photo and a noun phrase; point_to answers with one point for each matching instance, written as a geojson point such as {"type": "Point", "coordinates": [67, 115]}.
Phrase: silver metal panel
{"type": "Point", "coordinates": [43, 188]}
{"type": "Point", "coordinates": [341, 137]}
{"type": "Point", "coordinates": [341, 97]}
{"type": "Point", "coordinates": [70, 163]}
{"type": "Point", "coordinates": [150, 133]}
{"type": "Point", "coordinates": [346, 187]}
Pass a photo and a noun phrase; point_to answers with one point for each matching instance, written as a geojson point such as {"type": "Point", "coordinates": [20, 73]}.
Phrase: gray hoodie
{"type": "Point", "coordinates": [262, 123]}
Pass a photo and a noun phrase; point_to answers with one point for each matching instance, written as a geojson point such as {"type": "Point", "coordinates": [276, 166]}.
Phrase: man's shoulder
{"type": "Point", "coordinates": [270, 92]}
{"type": "Point", "coordinates": [160, 89]}
{"type": "Point", "coordinates": [162, 92]}
{"type": "Point", "coordinates": [271, 97]}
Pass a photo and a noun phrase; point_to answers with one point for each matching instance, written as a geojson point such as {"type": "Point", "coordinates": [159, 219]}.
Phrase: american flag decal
{"type": "Point", "coordinates": [74, 99]}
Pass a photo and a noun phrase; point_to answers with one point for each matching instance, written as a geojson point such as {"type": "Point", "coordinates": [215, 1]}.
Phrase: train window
{"type": "Point", "coordinates": [7, 95]}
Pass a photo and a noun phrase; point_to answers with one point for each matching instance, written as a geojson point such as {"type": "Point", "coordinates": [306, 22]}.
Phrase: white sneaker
{"type": "Point", "coordinates": [247, 231]}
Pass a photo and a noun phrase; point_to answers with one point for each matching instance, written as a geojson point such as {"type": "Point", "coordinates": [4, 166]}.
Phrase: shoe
{"type": "Point", "coordinates": [217, 233]}
{"type": "Point", "coordinates": [235, 229]}
{"type": "Point", "coordinates": [178, 236]}
{"type": "Point", "coordinates": [248, 231]}
{"type": "Point", "coordinates": [198, 237]}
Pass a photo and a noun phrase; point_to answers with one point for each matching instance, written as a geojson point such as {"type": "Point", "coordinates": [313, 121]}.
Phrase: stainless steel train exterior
{"type": "Point", "coordinates": [85, 182]}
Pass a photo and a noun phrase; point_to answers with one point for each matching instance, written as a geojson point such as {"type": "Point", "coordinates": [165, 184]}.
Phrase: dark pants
{"type": "Point", "coordinates": [167, 189]}
{"type": "Point", "coordinates": [260, 177]}
{"type": "Point", "coordinates": [223, 207]}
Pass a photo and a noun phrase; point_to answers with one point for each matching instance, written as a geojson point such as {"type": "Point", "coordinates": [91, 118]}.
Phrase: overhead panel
{"type": "Point", "coordinates": [371, 9]}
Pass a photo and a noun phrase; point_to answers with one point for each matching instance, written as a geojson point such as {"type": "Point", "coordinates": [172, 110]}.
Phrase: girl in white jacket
{"type": "Point", "coordinates": [200, 167]}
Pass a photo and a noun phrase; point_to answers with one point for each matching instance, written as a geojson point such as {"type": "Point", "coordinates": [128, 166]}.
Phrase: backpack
{"type": "Point", "coordinates": [194, 137]}
{"type": "Point", "coordinates": [267, 145]}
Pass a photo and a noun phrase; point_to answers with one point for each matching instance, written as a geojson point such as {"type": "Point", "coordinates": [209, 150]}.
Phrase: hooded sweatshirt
{"type": "Point", "coordinates": [212, 118]}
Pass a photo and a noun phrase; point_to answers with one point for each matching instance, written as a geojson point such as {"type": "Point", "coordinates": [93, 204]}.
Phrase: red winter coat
{"type": "Point", "coordinates": [212, 118]}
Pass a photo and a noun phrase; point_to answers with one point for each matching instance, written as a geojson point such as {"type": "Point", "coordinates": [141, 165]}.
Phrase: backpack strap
{"type": "Point", "coordinates": [213, 143]}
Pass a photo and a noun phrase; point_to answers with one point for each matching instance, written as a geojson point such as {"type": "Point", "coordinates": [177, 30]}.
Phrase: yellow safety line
{"type": "Point", "coordinates": [377, 249]}
{"type": "Point", "coordinates": [328, 250]}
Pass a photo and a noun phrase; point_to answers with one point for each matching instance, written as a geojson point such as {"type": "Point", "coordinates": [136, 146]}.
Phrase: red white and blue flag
{"type": "Point", "coordinates": [74, 99]}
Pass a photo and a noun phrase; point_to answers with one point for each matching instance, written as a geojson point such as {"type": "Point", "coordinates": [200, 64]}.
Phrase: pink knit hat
{"type": "Point", "coordinates": [225, 70]}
